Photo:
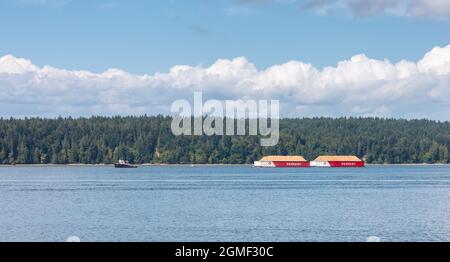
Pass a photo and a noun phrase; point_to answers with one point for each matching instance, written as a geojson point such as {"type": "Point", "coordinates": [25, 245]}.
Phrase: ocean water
{"type": "Point", "coordinates": [224, 203]}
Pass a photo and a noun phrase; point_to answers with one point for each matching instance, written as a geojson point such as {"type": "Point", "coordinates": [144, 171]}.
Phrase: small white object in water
{"type": "Point", "coordinates": [373, 239]}
{"type": "Point", "coordinates": [73, 239]}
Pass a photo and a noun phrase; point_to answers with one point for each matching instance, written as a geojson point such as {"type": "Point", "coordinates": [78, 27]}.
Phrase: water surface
{"type": "Point", "coordinates": [224, 203]}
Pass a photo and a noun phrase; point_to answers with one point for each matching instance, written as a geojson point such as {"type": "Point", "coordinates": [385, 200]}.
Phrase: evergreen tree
{"type": "Point", "coordinates": [149, 139]}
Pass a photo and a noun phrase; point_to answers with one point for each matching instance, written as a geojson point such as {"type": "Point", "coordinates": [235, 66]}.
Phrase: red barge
{"type": "Point", "coordinates": [282, 161]}
{"type": "Point", "coordinates": [338, 161]}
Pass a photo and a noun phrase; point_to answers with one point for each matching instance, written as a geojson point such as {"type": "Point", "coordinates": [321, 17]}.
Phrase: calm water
{"type": "Point", "coordinates": [238, 203]}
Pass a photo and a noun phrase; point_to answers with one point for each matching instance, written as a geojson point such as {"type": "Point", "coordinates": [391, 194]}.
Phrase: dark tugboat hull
{"type": "Point", "coordinates": [124, 166]}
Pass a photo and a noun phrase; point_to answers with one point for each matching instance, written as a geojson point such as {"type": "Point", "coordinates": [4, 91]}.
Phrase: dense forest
{"type": "Point", "coordinates": [148, 139]}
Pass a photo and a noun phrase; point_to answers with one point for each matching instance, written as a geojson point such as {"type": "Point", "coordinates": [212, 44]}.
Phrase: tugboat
{"type": "Point", "coordinates": [124, 164]}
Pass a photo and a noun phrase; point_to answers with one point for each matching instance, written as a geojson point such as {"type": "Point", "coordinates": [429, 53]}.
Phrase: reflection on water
{"type": "Point", "coordinates": [225, 203]}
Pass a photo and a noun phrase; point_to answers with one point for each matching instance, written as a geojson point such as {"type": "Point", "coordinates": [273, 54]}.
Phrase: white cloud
{"type": "Point", "coordinates": [413, 8]}
{"type": "Point", "coordinates": [11, 65]}
{"type": "Point", "coordinates": [359, 86]}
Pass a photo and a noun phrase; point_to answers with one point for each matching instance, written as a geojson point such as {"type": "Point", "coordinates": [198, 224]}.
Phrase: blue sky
{"type": "Point", "coordinates": [387, 58]}
{"type": "Point", "coordinates": [147, 36]}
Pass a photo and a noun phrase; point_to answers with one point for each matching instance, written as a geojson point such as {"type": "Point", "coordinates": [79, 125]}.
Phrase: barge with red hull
{"type": "Point", "coordinates": [338, 161]}
{"type": "Point", "coordinates": [282, 161]}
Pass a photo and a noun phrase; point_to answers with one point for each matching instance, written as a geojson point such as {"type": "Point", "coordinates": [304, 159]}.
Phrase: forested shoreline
{"type": "Point", "coordinates": [148, 139]}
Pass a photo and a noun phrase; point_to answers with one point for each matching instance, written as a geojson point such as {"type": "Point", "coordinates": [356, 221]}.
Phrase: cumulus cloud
{"type": "Point", "coordinates": [359, 86]}
{"type": "Point", "coordinates": [411, 8]}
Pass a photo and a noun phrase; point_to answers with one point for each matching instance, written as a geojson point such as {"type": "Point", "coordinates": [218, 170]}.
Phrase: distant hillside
{"type": "Point", "coordinates": [149, 139]}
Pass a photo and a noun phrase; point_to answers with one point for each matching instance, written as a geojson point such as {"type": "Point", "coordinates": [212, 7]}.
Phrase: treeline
{"type": "Point", "coordinates": [148, 139]}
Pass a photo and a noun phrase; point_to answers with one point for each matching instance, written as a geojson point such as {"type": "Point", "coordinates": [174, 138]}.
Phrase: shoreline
{"type": "Point", "coordinates": [189, 165]}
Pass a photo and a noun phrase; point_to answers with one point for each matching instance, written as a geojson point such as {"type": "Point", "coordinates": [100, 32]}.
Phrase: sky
{"type": "Point", "coordinates": [387, 58]}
